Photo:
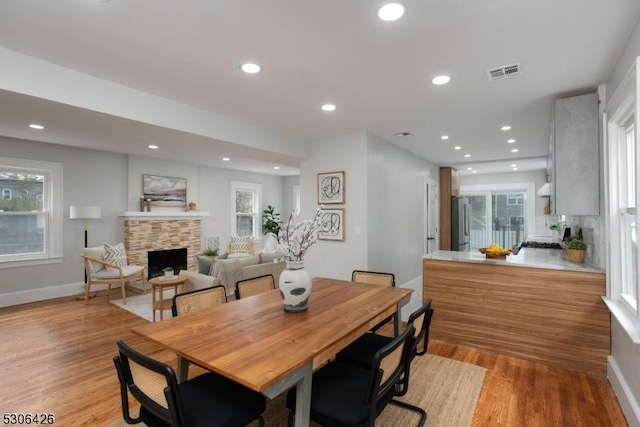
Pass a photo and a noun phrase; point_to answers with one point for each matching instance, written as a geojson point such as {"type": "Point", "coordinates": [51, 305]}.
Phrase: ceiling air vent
{"type": "Point", "coordinates": [503, 72]}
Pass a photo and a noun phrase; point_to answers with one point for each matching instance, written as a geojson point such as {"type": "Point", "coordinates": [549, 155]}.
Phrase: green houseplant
{"type": "Point", "coordinates": [168, 271]}
{"type": "Point", "coordinates": [576, 249]}
{"type": "Point", "coordinates": [271, 221]}
{"type": "Point", "coordinates": [211, 252]}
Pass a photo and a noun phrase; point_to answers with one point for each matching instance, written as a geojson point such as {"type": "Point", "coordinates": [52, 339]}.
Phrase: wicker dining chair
{"type": "Point", "coordinates": [208, 399]}
{"type": "Point", "coordinates": [198, 299]}
{"type": "Point", "coordinates": [257, 285]}
{"type": "Point", "coordinates": [377, 278]}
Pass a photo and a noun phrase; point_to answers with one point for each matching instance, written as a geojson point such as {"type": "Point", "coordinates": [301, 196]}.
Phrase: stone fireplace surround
{"type": "Point", "coordinates": [150, 231]}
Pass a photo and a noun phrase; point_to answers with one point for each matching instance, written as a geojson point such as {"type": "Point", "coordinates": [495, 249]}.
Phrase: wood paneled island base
{"type": "Point", "coordinates": [552, 316]}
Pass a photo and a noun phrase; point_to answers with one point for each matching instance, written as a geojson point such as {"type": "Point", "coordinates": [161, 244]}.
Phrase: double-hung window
{"type": "Point", "coordinates": [30, 211]}
{"type": "Point", "coordinates": [245, 209]}
{"type": "Point", "coordinates": [622, 186]}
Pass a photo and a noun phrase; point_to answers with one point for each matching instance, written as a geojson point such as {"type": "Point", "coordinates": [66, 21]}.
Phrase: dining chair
{"type": "Point", "coordinates": [206, 400]}
{"type": "Point", "coordinates": [362, 351]}
{"type": "Point", "coordinates": [257, 285]}
{"type": "Point", "coordinates": [377, 278]}
{"type": "Point", "coordinates": [198, 299]}
{"type": "Point", "coordinates": [343, 394]}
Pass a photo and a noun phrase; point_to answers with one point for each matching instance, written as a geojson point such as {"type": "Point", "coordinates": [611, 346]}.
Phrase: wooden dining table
{"type": "Point", "coordinates": [254, 342]}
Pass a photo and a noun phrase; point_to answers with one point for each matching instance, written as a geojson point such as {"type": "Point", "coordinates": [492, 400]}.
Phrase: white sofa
{"type": "Point", "coordinates": [228, 271]}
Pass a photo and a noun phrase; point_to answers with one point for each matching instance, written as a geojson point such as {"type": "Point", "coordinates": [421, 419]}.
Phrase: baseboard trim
{"type": "Point", "coordinates": [40, 294]}
{"type": "Point", "coordinates": [623, 392]}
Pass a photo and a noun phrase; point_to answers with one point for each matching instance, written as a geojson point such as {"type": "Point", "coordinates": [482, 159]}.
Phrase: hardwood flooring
{"type": "Point", "coordinates": [56, 358]}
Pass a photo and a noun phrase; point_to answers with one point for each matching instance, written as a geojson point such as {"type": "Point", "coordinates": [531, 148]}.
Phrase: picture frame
{"type": "Point", "coordinates": [331, 225]}
{"type": "Point", "coordinates": [164, 190]}
{"type": "Point", "coordinates": [331, 188]}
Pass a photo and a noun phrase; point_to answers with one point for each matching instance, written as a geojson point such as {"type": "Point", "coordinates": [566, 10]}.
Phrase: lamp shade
{"type": "Point", "coordinates": [545, 190]}
{"type": "Point", "coordinates": [85, 212]}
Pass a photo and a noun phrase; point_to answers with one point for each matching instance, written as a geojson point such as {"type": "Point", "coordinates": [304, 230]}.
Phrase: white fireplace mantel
{"type": "Point", "coordinates": [163, 215]}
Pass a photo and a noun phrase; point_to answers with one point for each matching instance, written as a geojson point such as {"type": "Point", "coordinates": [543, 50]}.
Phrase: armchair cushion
{"type": "Point", "coordinates": [115, 254]}
{"type": "Point", "coordinates": [97, 253]}
{"type": "Point", "coordinates": [113, 273]}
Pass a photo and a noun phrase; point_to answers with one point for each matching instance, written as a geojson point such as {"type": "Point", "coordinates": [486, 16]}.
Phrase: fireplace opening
{"type": "Point", "coordinates": [159, 260]}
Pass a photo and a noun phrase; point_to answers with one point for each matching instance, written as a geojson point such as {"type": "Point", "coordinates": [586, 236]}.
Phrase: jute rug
{"type": "Point", "coordinates": [447, 389]}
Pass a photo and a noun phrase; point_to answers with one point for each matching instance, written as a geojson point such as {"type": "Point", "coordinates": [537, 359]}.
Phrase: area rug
{"type": "Point", "coordinates": [447, 389]}
{"type": "Point", "coordinates": [140, 305]}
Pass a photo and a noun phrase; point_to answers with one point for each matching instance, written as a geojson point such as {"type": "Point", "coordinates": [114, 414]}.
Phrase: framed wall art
{"type": "Point", "coordinates": [331, 187]}
{"type": "Point", "coordinates": [164, 190]}
{"type": "Point", "coordinates": [331, 225]}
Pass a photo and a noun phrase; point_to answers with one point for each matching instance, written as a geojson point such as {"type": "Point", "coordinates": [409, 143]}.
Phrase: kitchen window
{"type": "Point", "coordinates": [245, 209]}
{"type": "Point", "coordinates": [622, 212]}
{"type": "Point", "coordinates": [30, 212]}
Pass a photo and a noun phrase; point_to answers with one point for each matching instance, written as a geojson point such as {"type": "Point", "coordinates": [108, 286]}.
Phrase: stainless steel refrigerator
{"type": "Point", "coordinates": [460, 224]}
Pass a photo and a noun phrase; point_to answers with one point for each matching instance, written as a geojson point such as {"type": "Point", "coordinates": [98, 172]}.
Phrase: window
{"type": "Point", "coordinates": [622, 217]}
{"type": "Point", "coordinates": [245, 209]}
{"type": "Point", "coordinates": [30, 211]}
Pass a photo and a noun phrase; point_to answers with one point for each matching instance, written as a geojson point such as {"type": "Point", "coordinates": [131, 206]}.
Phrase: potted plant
{"type": "Point", "coordinates": [554, 230]}
{"type": "Point", "coordinates": [576, 249]}
{"type": "Point", "coordinates": [168, 271]}
{"type": "Point", "coordinates": [211, 252]}
{"type": "Point", "coordinates": [271, 221]}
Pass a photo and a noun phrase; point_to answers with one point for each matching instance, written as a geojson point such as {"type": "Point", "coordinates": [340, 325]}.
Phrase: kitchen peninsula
{"type": "Point", "coordinates": [535, 305]}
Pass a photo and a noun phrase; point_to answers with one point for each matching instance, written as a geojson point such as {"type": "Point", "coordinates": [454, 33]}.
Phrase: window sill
{"type": "Point", "coordinates": [30, 262]}
{"type": "Point", "coordinates": [628, 322]}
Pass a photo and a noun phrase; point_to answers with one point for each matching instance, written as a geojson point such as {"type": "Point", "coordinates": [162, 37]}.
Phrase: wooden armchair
{"type": "Point", "coordinates": [101, 272]}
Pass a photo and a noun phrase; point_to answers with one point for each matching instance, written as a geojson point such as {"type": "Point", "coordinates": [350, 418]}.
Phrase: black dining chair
{"type": "Point", "coordinates": [381, 279]}
{"type": "Point", "coordinates": [206, 400]}
{"type": "Point", "coordinates": [343, 394]}
{"type": "Point", "coordinates": [257, 285]}
{"type": "Point", "coordinates": [198, 299]}
{"type": "Point", "coordinates": [362, 351]}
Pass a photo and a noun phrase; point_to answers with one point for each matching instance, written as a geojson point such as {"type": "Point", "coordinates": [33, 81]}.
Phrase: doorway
{"type": "Point", "coordinates": [430, 221]}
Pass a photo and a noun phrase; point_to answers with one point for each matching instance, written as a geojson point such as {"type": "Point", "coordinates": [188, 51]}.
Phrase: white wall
{"type": "Point", "coordinates": [396, 214]}
{"type": "Point", "coordinates": [287, 196]}
{"type": "Point", "coordinates": [624, 362]}
{"type": "Point", "coordinates": [114, 181]}
{"type": "Point", "coordinates": [345, 153]}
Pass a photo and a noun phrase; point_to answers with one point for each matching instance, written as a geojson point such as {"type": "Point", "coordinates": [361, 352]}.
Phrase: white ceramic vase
{"type": "Point", "coordinates": [295, 286]}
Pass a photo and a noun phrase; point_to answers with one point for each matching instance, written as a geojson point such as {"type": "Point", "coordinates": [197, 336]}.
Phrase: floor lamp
{"type": "Point", "coordinates": [85, 213]}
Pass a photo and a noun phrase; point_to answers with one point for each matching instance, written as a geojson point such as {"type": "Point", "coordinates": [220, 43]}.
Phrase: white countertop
{"type": "Point", "coordinates": [554, 259]}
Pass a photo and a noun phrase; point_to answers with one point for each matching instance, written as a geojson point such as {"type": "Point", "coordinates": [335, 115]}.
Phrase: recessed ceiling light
{"type": "Point", "coordinates": [250, 68]}
{"type": "Point", "coordinates": [457, 147]}
{"type": "Point", "coordinates": [474, 171]}
{"type": "Point", "coordinates": [225, 159]}
{"type": "Point", "coordinates": [440, 80]}
{"type": "Point", "coordinates": [513, 165]}
{"type": "Point", "coordinates": [153, 147]}
{"type": "Point", "coordinates": [505, 127]}
{"type": "Point", "coordinates": [401, 134]}
{"type": "Point", "coordinates": [469, 169]}
{"type": "Point", "coordinates": [276, 167]}
{"type": "Point", "coordinates": [515, 169]}
{"type": "Point", "coordinates": [515, 150]}
{"type": "Point", "coordinates": [328, 107]}
{"type": "Point", "coordinates": [36, 126]}
{"type": "Point", "coordinates": [467, 155]}
{"type": "Point", "coordinates": [511, 141]}
{"type": "Point", "coordinates": [391, 11]}
{"type": "Point", "coordinates": [444, 137]}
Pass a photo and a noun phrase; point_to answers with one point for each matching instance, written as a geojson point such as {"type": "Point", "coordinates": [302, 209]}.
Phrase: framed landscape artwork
{"type": "Point", "coordinates": [331, 187]}
{"type": "Point", "coordinates": [164, 190]}
{"type": "Point", "coordinates": [332, 225]}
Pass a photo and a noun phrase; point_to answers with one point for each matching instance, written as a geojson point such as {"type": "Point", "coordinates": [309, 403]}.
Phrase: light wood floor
{"type": "Point", "coordinates": [56, 358]}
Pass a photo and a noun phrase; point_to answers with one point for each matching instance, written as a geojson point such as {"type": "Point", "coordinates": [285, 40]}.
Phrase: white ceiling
{"type": "Point", "coordinates": [377, 73]}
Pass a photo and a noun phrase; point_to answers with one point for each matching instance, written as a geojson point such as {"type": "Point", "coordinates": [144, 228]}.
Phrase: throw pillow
{"type": "Point", "coordinates": [204, 263]}
{"type": "Point", "coordinates": [115, 254]}
{"type": "Point", "coordinates": [240, 245]}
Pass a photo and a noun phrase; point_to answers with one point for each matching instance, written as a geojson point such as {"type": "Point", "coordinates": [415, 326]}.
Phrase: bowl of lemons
{"type": "Point", "coordinates": [495, 251]}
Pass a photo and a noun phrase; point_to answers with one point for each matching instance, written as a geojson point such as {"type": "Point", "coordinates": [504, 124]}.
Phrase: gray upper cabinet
{"type": "Point", "coordinates": [575, 156]}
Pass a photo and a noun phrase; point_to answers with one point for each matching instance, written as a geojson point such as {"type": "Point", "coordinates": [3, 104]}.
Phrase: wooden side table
{"type": "Point", "coordinates": [159, 284]}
